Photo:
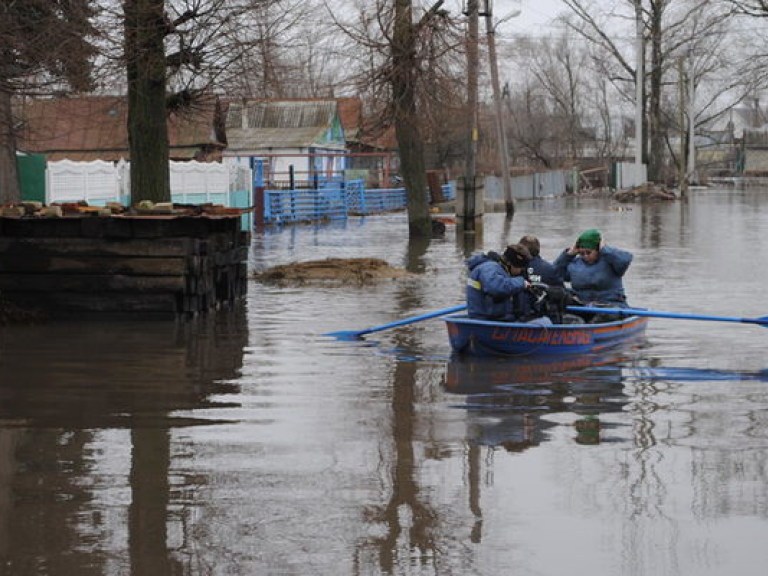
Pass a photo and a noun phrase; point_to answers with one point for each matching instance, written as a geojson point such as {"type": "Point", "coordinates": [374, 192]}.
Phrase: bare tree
{"type": "Point", "coordinates": [290, 52]}
{"type": "Point", "coordinates": [666, 31]}
{"type": "Point", "coordinates": [559, 67]}
{"type": "Point", "coordinates": [758, 8]}
{"type": "Point", "coordinates": [176, 53]}
{"type": "Point", "coordinates": [45, 47]}
{"type": "Point", "coordinates": [400, 58]}
{"type": "Point", "coordinates": [532, 131]}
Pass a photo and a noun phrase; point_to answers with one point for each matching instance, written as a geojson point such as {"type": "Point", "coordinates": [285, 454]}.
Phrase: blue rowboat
{"type": "Point", "coordinates": [492, 338]}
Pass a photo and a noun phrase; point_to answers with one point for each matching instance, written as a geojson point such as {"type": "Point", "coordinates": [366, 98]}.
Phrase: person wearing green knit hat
{"type": "Point", "coordinates": [589, 239]}
{"type": "Point", "coordinates": [595, 270]}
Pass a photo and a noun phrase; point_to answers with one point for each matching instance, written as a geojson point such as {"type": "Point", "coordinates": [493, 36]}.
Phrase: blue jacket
{"type": "Point", "coordinates": [490, 290]}
{"type": "Point", "coordinates": [598, 282]}
{"type": "Point", "coordinates": [539, 270]}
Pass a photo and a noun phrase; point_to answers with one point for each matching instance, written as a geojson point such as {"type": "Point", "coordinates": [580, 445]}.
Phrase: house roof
{"type": "Point", "coordinates": [95, 127]}
{"type": "Point", "coordinates": [362, 131]}
{"type": "Point", "coordinates": [257, 124]}
{"type": "Point", "coordinates": [351, 115]}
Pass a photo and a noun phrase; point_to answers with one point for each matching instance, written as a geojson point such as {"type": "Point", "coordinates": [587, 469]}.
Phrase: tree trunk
{"type": "Point", "coordinates": [655, 134]}
{"type": "Point", "coordinates": [147, 119]}
{"type": "Point", "coordinates": [409, 140]}
{"type": "Point", "coordinates": [10, 191]}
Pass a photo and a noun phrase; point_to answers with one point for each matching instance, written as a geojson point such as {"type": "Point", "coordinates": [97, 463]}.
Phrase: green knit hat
{"type": "Point", "coordinates": [589, 239]}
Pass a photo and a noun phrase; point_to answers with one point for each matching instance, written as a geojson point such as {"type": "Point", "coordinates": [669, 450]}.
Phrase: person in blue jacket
{"type": "Point", "coordinates": [539, 270]}
{"type": "Point", "coordinates": [595, 270]}
{"type": "Point", "coordinates": [497, 287]}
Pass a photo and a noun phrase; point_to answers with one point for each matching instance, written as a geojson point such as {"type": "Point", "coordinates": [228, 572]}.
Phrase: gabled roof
{"type": "Point", "coordinates": [362, 131]}
{"type": "Point", "coordinates": [95, 127]}
{"type": "Point", "coordinates": [257, 124]}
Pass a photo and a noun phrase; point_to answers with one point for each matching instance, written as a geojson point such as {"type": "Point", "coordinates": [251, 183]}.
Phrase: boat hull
{"type": "Point", "coordinates": [490, 338]}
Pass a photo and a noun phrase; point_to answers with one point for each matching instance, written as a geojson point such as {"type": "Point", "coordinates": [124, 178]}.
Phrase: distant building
{"type": "Point", "coordinates": [754, 151]}
{"type": "Point", "coordinates": [283, 137]}
{"type": "Point", "coordinates": [87, 128]}
{"type": "Point", "coordinates": [736, 144]}
{"type": "Point", "coordinates": [372, 146]}
{"type": "Point", "coordinates": [316, 139]}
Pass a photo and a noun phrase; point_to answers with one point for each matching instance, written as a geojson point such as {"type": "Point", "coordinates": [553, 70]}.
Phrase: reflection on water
{"type": "Point", "coordinates": [64, 403]}
{"type": "Point", "coordinates": [95, 375]}
{"type": "Point", "coordinates": [248, 443]}
{"type": "Point", "coordinates": [507, 398]}
{"type": "Point", "coordinates": [409, 520]}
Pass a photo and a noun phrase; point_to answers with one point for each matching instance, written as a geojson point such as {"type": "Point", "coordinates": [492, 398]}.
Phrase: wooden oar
{"type": "Point", "coordinates": [763, 321]}
{"type": "Point", "coordinates": [354, 334]}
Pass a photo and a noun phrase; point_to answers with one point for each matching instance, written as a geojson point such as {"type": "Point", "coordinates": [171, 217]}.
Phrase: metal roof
{"type": "Point", "coordinates": [269, 124]}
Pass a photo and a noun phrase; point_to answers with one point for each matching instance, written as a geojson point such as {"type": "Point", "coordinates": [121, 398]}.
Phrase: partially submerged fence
{"type": "Point", "coordinates": [335, 201]}
{"type": "Point", "coordinates": [99, 182]}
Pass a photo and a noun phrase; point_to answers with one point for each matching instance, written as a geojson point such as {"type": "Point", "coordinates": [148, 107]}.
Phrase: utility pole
{"type": "Point", "coordinates": [470, 175]}
{"type": "Point", "coordinates": [501, 131]}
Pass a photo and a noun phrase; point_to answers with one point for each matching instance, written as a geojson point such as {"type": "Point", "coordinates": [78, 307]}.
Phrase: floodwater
{"type": "Point", "coordinates": [249, 443]}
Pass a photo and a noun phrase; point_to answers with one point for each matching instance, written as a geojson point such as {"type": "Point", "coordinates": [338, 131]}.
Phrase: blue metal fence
{"type": "Point", "coordinates": [379, 200]}
{"type": "Point", "coordinates": [449, 191]}
{"type": "Point", "coordinates": [291, 206]}
{"type": "Point", "coordinates": [335, 201]}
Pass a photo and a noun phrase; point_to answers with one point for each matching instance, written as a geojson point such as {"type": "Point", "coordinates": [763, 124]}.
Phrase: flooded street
{"type": "Point", "coordinates": [249, 443]}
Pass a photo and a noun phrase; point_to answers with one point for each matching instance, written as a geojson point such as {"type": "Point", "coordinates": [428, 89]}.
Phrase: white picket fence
{"type": "Point", "coordinates": [99, 182]}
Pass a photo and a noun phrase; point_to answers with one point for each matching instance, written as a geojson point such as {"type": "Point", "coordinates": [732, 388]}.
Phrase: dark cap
{"type": "Point", "coordinates": [517, 255]}
{"type": "Point", "coordinates": [532, 243]}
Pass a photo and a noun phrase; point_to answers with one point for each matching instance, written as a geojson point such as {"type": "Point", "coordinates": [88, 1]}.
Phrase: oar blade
{"type": "Point", "coordinates": [347, 335]}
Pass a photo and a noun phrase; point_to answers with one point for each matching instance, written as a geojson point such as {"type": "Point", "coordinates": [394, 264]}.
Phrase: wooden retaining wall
{"type": "Point", "coordinates": [122, 266]}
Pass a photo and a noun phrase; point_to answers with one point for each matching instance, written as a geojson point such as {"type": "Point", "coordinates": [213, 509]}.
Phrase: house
{"type": "Point", "coordinates": [286, 139]}
{"type": "Point", "coordinates": [364, 134]}
{"type": "Point", "coordinates": [313, 139]}
{"type": "Point", "coordinates": [372, 147]}
{"type": "Point", "coordinates": [736, 142]}
{"type": "Point", "coordinates": [755, 152]}
{"type": "Point", "coordinates": [87, 128]}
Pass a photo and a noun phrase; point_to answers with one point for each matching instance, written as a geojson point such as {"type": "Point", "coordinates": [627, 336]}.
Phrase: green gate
{"type": "Point", "coordinates": [31, 169]}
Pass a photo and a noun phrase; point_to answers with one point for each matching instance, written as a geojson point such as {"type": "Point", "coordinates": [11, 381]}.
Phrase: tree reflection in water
{"type": "Point", "coordinates": [65, 415]}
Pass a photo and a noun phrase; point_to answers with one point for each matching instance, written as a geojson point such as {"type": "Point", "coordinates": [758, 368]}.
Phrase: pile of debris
{"type": "Point", "coordinates": [359, 271]}
{"type": "Point", "coordinates": [143, 208]}
{"type": "Point", "coordinates": [646, 192]}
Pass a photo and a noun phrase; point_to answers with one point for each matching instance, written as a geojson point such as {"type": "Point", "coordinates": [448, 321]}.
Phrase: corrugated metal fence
{"type": "Point", "coordinates": [529, 186]}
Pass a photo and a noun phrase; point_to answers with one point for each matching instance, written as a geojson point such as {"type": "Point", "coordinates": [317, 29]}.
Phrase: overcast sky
{"type": "Point", "coordinates": [534, 16]}
{"type": "Point", "coordinates": [532, 13]}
